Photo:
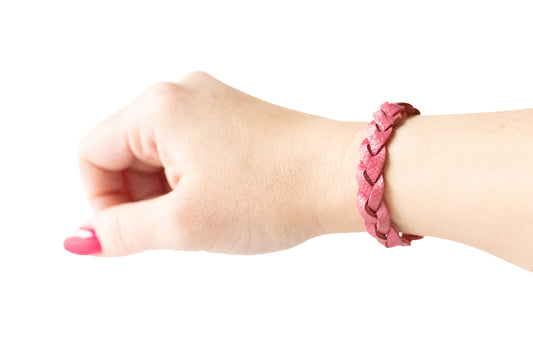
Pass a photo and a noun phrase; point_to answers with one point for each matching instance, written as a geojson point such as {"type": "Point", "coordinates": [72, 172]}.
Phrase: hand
{"type": "Point", "coordinates": [199, 165]}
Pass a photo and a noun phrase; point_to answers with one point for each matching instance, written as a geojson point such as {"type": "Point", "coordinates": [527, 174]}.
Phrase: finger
{"type": "Point", "coordinates": [115, 148]}
{"type": "Point", "coordinates": [126, 229]}
{"type": "Point", "coordinates": [107, 188]}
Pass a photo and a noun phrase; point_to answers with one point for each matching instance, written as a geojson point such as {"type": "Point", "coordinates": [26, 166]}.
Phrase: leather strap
{"type": "Point", "coordinates": [373, 151]}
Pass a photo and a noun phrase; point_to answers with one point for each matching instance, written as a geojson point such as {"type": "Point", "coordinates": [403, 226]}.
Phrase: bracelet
{"type": "Point", "coordinates": [370, 178]}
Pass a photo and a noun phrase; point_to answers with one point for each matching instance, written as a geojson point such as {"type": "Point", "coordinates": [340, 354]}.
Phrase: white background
{"type": "Point", "coordinates": [66, 65]}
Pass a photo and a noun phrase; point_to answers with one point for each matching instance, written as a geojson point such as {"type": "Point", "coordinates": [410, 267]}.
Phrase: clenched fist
{"type": "Point", "coordinates": [199, 165]}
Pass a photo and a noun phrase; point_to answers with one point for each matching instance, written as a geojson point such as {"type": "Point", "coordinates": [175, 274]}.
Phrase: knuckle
{"type": "Point", "coordinates": [85, 145]}
{"type": "Point", "coordinates": [80, 150]}
{"type": "Point", "coordinates": [196, 76]}
{"type": "Point", "coordinates": [165, 95]}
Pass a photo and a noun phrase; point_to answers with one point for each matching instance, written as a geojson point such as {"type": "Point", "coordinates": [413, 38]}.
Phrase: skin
{"type": "Point", "coordinates": [198, 165]}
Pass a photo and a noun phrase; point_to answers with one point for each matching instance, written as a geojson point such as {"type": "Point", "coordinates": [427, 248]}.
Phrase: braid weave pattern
{"type": "Point", "coordinates": [370, 179]}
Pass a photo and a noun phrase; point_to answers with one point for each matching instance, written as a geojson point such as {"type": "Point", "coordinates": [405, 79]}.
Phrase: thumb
{"type": "Point", "coordinates": [126, 228]}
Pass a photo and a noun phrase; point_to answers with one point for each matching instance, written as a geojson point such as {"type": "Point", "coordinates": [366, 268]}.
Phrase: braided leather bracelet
{"type": "Point", "coordinates": [370, 179]}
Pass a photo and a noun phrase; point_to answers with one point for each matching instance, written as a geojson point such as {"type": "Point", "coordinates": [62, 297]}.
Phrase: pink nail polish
{"type": "Point", "coordinates": [83, 242]}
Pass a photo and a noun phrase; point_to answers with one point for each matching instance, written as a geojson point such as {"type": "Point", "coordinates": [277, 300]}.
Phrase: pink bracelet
{"type": "Point", "coordinates": [369, 175]}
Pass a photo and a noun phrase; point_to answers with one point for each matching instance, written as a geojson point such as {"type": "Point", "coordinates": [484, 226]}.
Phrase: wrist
{"type": "Point", "coordinates": [337, 158]}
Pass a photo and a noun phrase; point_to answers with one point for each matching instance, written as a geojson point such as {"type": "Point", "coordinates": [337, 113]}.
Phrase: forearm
{"type": "Point", "coordinates": [462, 177]}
